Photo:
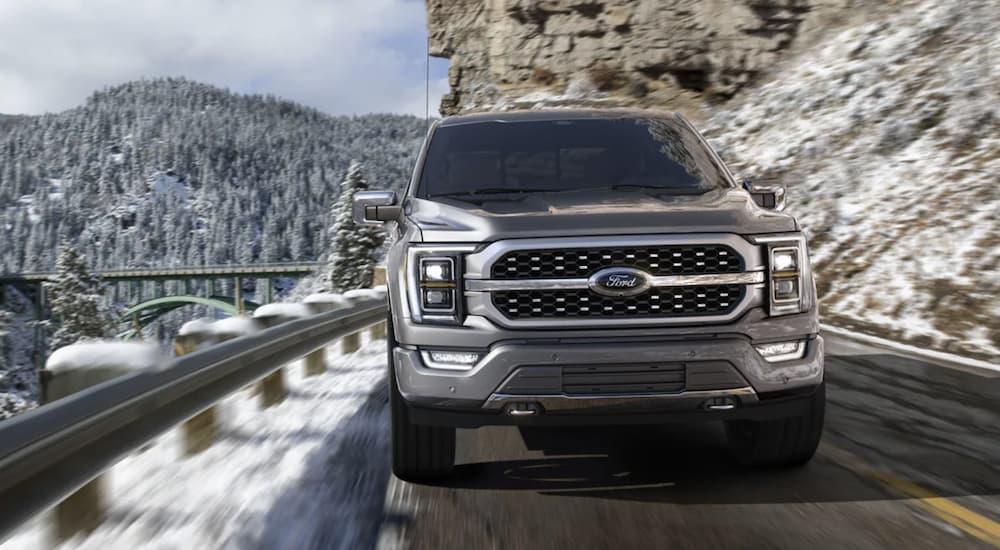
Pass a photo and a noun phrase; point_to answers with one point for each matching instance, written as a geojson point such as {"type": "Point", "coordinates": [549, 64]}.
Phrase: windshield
{"type": "Point", "coordinates": [567, 155]}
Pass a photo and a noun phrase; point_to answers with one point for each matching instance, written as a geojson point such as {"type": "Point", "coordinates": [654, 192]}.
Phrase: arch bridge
{"type": "Point", "coordinates": [154, 292]}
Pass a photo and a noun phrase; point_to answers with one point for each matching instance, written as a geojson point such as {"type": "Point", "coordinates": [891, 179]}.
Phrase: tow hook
{"type": "Point", "coordinates": [523, 408]}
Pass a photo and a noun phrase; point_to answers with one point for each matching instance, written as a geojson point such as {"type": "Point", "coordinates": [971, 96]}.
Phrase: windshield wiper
{"type": "Point", "coordinates": [493, 191]}
{"type": "Point", "coordinates": [659, 188]}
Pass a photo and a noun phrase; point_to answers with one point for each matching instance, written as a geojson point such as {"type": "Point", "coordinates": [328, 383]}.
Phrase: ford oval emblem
{"type": "Point", "coordinates": [619, 281]}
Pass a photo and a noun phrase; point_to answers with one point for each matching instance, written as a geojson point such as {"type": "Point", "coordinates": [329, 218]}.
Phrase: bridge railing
{"type": "Point", "coordinates": [50, 452]}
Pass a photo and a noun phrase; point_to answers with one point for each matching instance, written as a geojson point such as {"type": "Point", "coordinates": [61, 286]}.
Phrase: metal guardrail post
{"type": "Point", "coordinates": [352, 342]}
{"type": "Point", "coordinates": [84, 509]}
{"type": "Point", "coordinates": [199, 432]}
{"type": "Point", "coordinates": [315, 362]}
{"type": "Point", "coordinates": [378, 330]}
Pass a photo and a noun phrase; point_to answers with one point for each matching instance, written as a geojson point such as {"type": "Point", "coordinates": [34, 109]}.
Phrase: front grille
{"type": "Point", "coordinates": [582, 262]}
{"type": "Point", "coordinates": [616, 379]}
{"type": "Point", "coordinates": [656, 302]}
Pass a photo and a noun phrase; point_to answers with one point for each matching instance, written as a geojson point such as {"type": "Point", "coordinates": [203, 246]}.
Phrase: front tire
{"type": "Point", "coordinates": [784, 442]}
{"type": "Point", "coordinates": [418, 452]}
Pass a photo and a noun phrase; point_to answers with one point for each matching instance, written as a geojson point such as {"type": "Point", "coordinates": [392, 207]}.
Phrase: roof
{"type": "Point", "coordinates": [555, 114]}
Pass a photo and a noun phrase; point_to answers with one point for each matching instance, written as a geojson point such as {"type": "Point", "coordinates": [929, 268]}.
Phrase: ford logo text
{"type": "Point", "coordinates": [619, 281]}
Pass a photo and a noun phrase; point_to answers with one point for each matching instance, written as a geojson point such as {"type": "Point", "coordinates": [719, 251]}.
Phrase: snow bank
{"type": "Point", "coordinates": [309, 473]}
{"type": "Point", "coordinates": [282, 310]}
{"type": "Point", "coordinates": [110, 354]}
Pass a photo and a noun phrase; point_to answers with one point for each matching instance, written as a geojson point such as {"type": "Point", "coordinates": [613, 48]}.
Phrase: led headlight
{"type": "Point", "coordinates": [437, 269]}
{"type": "Point", "coordinates": [438, 298]}
{"type": "Point", "coordinates": [788, 270]}
{"type": "Point", "coordinates": [784, 260]}
{"type": "Point", "coordinates": [782, 351]}
{"type": "Point", "coordinates": [434, 283]}
{"type": "Point", "coordinates": [450, 360]}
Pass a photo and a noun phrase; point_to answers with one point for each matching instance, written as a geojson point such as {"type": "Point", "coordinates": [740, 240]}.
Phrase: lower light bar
{"type": "Point", "coordinates": [450, 360]}
{"type": "Point", "coordinates": [782, 351]}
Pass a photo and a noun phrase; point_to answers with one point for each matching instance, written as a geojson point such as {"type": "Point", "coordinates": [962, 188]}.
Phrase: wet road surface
{"type": "Point", "coordinates": [910, 459]}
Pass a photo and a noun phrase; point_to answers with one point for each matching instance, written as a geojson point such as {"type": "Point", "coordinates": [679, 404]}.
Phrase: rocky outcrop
{"type": "Point", "coordinates": [668, 53]}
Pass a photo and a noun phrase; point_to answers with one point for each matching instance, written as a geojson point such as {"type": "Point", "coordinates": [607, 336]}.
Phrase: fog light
{"type": "Point", "coordinates": [438, 298]}
{"type": "Point", "coordinates": [786, 289]}
{"type": "Point", "coordinates": [450, 360]}
{"type": "Point", "coordinates": [781, 351]}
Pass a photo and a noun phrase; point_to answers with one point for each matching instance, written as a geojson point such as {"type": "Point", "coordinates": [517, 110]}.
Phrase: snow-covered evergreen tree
{"type": "Point", "coordinates": [351, 263]}
{"type": "Point", "coordinates": [170, 172]}
{"type": "Point", "coordinates": [6, 319]}
{"type": "Point", "coordinates": [78, 309]}
{"type": "Point", "coordinates": [11, 399]}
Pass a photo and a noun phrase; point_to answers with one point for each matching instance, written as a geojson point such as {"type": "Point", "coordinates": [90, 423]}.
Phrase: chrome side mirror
{"type": "Point", "coordinates": [375, 207]}
{"type": "Point", "coordinates": [770, 196]}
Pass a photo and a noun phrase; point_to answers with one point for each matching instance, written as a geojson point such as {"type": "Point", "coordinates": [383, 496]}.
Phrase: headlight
{"type": "Point", "coordinates": [434, 283]}
{"type": "Point", "coordinates": [437, 269]}
{"type": "Point", "coordinates": [788, 270]}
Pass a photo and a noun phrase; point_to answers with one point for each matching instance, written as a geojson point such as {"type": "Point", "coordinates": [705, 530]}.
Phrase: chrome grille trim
{"type": "Point", "coordinates": [491, 285]}
{"type": "Point", "coordinates": [480, 287]}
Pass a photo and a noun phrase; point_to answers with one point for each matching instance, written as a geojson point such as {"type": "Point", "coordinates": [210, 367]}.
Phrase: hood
{"type": "Point", "coordinates": [590, 212]}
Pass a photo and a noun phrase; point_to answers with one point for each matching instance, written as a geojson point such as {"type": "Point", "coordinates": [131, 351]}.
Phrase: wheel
{"type": "Point", "coordinates": [779, 443]}
{"type": "Point", "coordinates": [418, 452]}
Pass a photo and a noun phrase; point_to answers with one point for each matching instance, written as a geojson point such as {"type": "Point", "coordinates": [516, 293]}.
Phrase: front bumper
{"type": "Point", "coordinates": [528, 376]}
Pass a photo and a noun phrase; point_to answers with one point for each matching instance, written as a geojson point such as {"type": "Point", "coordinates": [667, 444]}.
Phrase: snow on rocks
{"type": "Point", "coordinates": [887, 139]}
{"type": "Point", "coordinates": [105, 354]}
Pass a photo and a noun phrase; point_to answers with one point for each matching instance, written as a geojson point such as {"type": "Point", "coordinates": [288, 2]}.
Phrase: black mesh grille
{"type": "Point", "coordinates": [581, 262]}
{"type": "Point", "coordinates": [612, 379]}
{"type": "Point", "coordinates": [657, 302]}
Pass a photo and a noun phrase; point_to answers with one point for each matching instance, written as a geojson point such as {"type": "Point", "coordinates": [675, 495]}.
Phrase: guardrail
{"type": "Point", "coordinates": [50, 452]}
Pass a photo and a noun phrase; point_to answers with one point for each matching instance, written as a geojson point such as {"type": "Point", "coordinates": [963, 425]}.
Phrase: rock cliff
{"type": "Point", "coordinates": [668, 53]}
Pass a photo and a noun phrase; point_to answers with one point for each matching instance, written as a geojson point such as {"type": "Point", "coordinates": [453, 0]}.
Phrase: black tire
{"type": "Point", "coordinates": [418, 452]}
{"type": "Point", "coordinates": [783, 442]}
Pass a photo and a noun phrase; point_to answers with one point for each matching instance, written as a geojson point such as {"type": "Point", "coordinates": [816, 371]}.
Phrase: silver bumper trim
{"type": "Point", "coordinates": [492, 285]}
{"type": "Point", "coordinates": [564, 402]}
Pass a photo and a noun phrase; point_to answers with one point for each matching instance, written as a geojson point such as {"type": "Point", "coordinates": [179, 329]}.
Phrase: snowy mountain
{"type": "Point", "coordinates": [173, 172]}
{"type": "Point", "coordinates": [888, 139]}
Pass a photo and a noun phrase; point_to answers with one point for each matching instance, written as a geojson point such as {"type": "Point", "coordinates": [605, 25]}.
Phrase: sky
{"type": "Point", "coordinates": [340, 56]}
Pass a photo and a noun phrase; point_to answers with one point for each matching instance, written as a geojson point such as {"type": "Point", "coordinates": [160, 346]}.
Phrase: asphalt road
{"type": "Point", "coordinates": [910, 459]}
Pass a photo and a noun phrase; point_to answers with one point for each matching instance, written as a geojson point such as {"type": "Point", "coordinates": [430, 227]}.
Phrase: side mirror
{"type": "Point", "coordinates": [770, 196]}
{"type": "Point", "coordinates": [375, 207]}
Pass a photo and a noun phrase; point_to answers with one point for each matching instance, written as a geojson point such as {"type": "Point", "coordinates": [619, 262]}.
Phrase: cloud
{"type": "Point", "coordinates": [341, 56]}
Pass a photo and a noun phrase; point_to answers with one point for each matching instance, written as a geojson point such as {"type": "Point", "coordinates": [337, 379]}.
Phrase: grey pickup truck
{"type": "Point", "coordinates": [593, 267]}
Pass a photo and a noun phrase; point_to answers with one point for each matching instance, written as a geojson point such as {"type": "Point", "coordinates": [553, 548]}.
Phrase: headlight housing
{"type": "Point", "coordinates": [434, 283]}
{"type": "Point", "coordinates": [789, 275]}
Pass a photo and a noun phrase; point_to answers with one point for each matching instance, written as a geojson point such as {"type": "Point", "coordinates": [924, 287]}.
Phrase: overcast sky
{"type": "Point", "coordinates": [341, 56]}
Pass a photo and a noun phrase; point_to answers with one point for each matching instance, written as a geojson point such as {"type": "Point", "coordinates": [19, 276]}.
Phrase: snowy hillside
{"type": "Point", "coordinates": [172, 172]}
{"type": "Point", "coordinates": [888, 138]}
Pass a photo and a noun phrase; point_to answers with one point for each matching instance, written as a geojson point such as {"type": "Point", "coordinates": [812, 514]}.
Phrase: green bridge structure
{"type": "Point", "coordinates": [154, 292]}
